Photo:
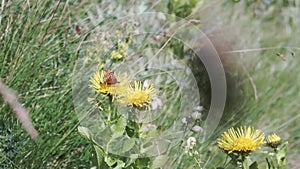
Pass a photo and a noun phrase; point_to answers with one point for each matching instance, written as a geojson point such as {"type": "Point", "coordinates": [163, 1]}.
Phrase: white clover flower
{"type": "Point", "coordinates": [191, 142]}
{"type": "Point", "coordinates": [184, 120]}
{"type": "Point", "coordinates": [197, 129]}
{"type": "Point", "coordinates": [156, 103]}
{"type": "Point", "coordinates": [199, 108]}
{"type": "Point", "coordinates": [196, 115]}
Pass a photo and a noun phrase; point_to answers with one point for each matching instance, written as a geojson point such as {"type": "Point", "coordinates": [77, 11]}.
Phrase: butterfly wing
{"type": "Point", "coordinates": [109, 77]}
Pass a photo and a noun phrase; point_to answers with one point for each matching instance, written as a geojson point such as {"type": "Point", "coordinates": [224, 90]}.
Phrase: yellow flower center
{"type": "Point", "coordinates": [138, 97]}
{"type": "Point", "coordinates": [243, 143]}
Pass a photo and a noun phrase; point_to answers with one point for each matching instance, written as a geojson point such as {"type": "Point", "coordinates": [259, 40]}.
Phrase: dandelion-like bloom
{"type": "Point", "coordinates": [273, 140]}
{"type": "Point", "coordinates": [101, 86]}
{"type": "Point", "coordinates": [243, 139]}
{"type": "Point", "coordinates": [137, 95]}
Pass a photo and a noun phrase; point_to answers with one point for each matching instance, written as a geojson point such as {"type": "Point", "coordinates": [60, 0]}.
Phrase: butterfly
{"type": "Point", "coordinates": [109, 77]}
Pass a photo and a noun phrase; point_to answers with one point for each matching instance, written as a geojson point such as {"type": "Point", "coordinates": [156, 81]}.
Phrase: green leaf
{"type": "Point", "coordinates": [246, 161]}
{"type": "Point", "coordinates": [142, 163]}
{"type": "Point", "coordinates": [146, 147]}
{"type": "Point", "coordinates": [146, 131]}
{"type": "Point", "coordinates": [182, 8]}
{"type": "Point", "coordinates": [110, 161]}
{"type": "Point", "coordinates": [159, 161]}
{"type": "Point", "coordinates": [119, 128]}
{"type": "Point", "coordinates": [281, 155]}
{"type": "Point", "coordinates": [268, 163]}
{"type": "Point", "coordinates": [84, 132]}
{"type": "Point", "coordinates": [100, 157]}
{"type": "Point", "coordinates": [132, 160]}
{"type": "Point", "coordinates": [128, 144]}
{"type": "Point", "coordinates": [132, 129]}
{"type": "Point", "coordinates": [114, 163]}
{"type": "Point", "coordinates": [271, 163]}
{"type": "Point", "coordinates": [254, 165]}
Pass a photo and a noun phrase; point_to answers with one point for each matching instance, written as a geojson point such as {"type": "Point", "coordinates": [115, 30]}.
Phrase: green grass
{"type": "Point", "coordinates": [39, 48]}
{"type": "Point", "coordinates": [38, 53]}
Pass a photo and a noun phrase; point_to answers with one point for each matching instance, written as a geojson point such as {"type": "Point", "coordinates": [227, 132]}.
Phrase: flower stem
{"type": "Point", "coordinates": [197, 161]}
{"type": "Point", "coordinates": [245, 164]}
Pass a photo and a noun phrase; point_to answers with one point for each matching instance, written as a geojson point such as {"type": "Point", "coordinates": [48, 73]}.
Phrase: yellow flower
{"type": "Point", "coordinates": [123, 45]}
{"type": "Point", "coordinates": [243, 139]}
{"type": "Point", "coordinates": [273, 140]}
{"type": "Point", "coordinates": [122, 51]}
{"type": "Point", "coordinates": [100, 86]}
{"type": "Point", "coordinates": [137, 95]}
{"type": "Point", "coordinates": [116, 55]}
